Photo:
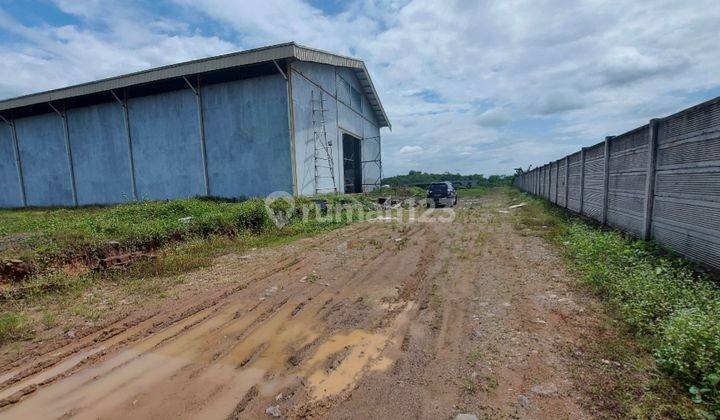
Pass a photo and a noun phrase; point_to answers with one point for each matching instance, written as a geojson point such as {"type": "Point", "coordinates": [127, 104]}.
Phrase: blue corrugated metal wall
{"type": "Point", "coordinates": [247, 143]}
{"type": "Point", "coordinates": [166, 145]}
{"type": "Point", "coordinates": [10, 193]}
{"type": "Point", "coordinates": [44, 157]}
{"type": "Point", "coordinates": [247, 137]}
{"type": "Point", "coordinates": [100, 154]}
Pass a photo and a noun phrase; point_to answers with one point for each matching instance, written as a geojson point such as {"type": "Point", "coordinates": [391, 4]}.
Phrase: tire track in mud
{"type": "Point", "coordinates": [377, 394]}
{"type": "Point", "coordinates": [109, 340]}
{"type": "Point", "coordinates": [478, 339]}
{"type": "Point", "coordinates": [170, 322]}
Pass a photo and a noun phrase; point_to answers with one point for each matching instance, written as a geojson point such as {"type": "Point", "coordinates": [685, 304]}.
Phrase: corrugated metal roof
{"type": "Point", "coordinates": [289, 50]}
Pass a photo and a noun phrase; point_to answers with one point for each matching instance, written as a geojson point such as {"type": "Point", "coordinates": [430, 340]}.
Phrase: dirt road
{"type": "Point", "coordinates": [376, 320]}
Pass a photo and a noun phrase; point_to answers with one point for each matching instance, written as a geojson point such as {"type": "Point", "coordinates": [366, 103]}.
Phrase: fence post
{"type": "Point", "coordinates": [650, 178]}
{"type": "Point", "coordinates": [557, 180]}
{"type": "Point", "coordinates": [540, 179]}
{"type": "Point", "coordinates": [606, 179]}
{"type": "Point", "coordinates": [548, 173]}
{"type": "Point", "coordinates": [548, 176]}
{"type": "Point", "coordinates": [567, 180]}
{"type": "Point", "coordinates": [582, 179]}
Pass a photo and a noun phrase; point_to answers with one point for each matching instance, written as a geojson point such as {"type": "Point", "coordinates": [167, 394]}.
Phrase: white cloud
{"type": "Point", "coordinates": [513, 82]}
{"type": "Point", "coordinates": [410, 150]}
{"type": "Point", "coordinates": [54, 56]}
{"type": "Point", "coordinates": [495, 117]}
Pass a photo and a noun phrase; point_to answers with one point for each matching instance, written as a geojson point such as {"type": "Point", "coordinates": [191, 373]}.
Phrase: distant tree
{"type": "Point", "coordinates": [420, 178]}
{"type": "Point", "coordinates": [520, 171]}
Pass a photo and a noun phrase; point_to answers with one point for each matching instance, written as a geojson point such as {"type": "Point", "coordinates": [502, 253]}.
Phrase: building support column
{"type": "Point", "coordinates": [201, 125]}
{"type": "Point", "coordinates": [128, 137]}
{"type": "Point", "coordinates": [18, 162]}
{"type": "Point", "coordinates": [63, 117]}
{"type": "Point", "coordinates": [287, 74]}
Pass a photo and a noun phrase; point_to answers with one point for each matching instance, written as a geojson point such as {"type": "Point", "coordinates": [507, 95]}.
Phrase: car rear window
{"type": "Point", "coordinates": [438, 188]}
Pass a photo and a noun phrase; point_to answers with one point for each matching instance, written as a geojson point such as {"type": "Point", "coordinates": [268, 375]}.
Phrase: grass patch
{"type": "Point", "coordinates": [56, 236]}
{"type": "Point", "coordinates": [475, 356]}
{"type": "Point", "coordinates": [622, 378]}
{"type": "Point", "coordinates": [672, 311]}
{"type": "Point", "coordinates": [312, 277]}
{"type": "Point", "coordinates": [469, 385]}
{"type": "Point", "coordinates": [472, 192]}
{"type": "Point", "coordinates": [46, 238]}
{"type": "Point", "coordinates": [13, 327]}
{"type": "Point", "coordinates": [435, 301]}
{"type": "Point", "coordinates": [415, 192]}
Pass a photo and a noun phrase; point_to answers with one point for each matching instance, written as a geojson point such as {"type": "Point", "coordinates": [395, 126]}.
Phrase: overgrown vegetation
{"type": "Point", "coordinates": [472, 192]}
{"type": "Point", "coordinates": [400, 191]}
{"type": "Point", "coordinates": [423, 179]}
{"type": "Point", "coordinates": [12, 326]}
{"type": "Point", "coordinates": [46, 237]}
{"type": "Point", "coordinates": [671, 309]}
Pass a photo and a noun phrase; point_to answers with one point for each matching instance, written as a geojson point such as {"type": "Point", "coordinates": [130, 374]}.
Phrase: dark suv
{"type": "Point", "coordinates": [441, 194]}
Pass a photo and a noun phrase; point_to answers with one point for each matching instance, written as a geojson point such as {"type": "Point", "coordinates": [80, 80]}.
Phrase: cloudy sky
{"type": "Point", "coordinates": [470, 86]}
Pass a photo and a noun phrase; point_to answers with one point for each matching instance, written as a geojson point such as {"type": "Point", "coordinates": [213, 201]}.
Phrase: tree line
{"type": "Point", "coordinates": [420, 178]}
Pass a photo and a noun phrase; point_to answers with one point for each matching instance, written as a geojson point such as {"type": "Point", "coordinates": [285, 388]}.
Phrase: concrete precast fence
{"type": "Point", "coordinates": [657, 182]}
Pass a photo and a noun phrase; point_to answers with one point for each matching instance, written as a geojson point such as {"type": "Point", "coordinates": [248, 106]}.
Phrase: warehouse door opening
{"type": "Point", "coordinates": [352, 166]}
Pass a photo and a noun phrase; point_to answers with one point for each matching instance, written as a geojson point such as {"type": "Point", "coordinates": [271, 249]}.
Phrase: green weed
{"type": "Point", "coordinates": [472, 192]}
{"type": "Point", "coordinates": [469, 385]}
{"type": "Point", "coordinates": [13, 327]}
{"type": "Point", "coordinates": [475, 356]}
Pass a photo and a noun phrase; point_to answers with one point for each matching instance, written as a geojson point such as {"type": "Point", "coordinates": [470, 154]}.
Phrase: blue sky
{"type": "Point", "coordinates": [470, 86]}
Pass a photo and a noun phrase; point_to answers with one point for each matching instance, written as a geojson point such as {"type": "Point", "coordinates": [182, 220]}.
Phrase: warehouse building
{"type": "Point", "coordinates": [280, 118]}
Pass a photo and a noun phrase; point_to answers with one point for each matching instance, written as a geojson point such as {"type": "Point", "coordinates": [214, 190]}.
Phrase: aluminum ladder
{"type": "Point", "coordinates": [324, 164]}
